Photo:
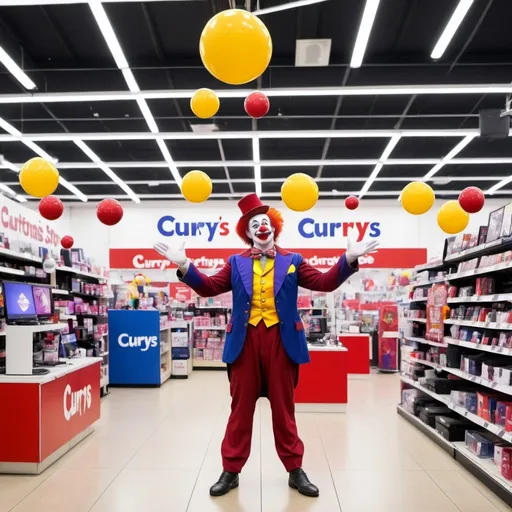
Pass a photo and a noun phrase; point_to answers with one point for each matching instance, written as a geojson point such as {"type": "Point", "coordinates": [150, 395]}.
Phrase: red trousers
{"type": "Point", "coordinates": [262, 363]}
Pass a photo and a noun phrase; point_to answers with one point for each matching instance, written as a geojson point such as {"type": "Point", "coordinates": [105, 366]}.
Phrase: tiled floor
{"type": "Point", "coordinates": [157, 450]}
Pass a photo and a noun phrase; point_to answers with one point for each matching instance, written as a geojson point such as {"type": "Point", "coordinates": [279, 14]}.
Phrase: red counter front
{"type": "Point", "coordinates": [45, 416]}
{"type": "Point", "coordinates": [323, 385]}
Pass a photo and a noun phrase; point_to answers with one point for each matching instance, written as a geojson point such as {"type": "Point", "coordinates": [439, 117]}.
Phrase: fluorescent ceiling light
{"type": "Point", "coordinates": [15, 70]}
{"type": "Point", "coordinates": [130, 80]}
{"type": "Point", "coordinates": [455, 151]}
{"type": "Point", "coordinates": [276, 163]}
{"type": "Point", "coordinates": [170, 162]}
{"type": "Point", "coordinates": [9, 128]}
{"type": "Point", "coordinates": [11, 192]}
{"type": "Point", "coordinates": [374, 90]}
{"type": "Point", "coordinates": [148, 116]}
{"type": "Point", "coordinates": [363, 35]}
{"type": "Point", "coordinates": [451, 27]}
{"type": "Point", "coordinates": [499, 185]}
{"type": "Point", "coordinates": [257, 166]}
{"type": "Point", "coordinates": [285, 6]}
{"type": "Point", "coordinates": [261, 134]}
{"type": "Point", "coordinates": [108, 33]}
{"type": "Point", "coordinates": [385, 154]}
{"type": "Point", "coordinates": [38, 150]}
{"type": "Point", "coordinates": [109, 172]}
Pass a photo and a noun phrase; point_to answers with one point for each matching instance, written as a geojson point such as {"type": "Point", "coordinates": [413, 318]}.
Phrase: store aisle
{"type": "Point", "coordinates": [158, 451]}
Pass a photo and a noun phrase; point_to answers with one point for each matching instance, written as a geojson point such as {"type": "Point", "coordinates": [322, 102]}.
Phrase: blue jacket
{"type": "Point", "coordinates": [237, 275]}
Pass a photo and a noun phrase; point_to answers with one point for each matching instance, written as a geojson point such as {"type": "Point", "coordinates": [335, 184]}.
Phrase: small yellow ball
{"type": "Point", "coordinates": [196, 186]}
{"type": "Point", "coordinates": [204, 103]}
{"type": "Point", "coordinates": [38, 177]}
{"type": "Point", "coordinates": [299, 192]}
{"type": "Point", "coordinates": [417, 198]}
{"type": "Point", "coordinates": [451, 218]}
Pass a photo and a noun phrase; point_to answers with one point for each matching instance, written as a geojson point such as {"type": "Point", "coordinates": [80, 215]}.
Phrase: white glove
{"type": "Point", "coordinates": [357, 249]}
{"type": "Point", "coordinates": [175, 255]}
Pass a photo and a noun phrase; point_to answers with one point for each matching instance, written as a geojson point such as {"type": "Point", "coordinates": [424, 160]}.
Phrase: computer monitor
{"type": "Point", "coordinates": [19, 302]}
{"type": "Point", "coordinates": [43, 301]}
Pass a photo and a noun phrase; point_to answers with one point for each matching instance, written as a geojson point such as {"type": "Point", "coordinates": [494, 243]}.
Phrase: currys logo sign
{"type": "Point", "coordinates": [170, 226]}
{"type": "Point", "coordinates": [142, 342]}
{"type": "Point", "coordinates": [310, 228]}
{"type": "Point", "coordinates": [77, 402]}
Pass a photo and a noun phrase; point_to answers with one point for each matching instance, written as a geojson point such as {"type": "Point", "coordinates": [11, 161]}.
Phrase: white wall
{"type": "Point", "coordinates": [138, 229]}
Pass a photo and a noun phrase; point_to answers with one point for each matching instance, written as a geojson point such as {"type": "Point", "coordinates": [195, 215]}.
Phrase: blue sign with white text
{"type": "Point", "coordinates": [134, 347]}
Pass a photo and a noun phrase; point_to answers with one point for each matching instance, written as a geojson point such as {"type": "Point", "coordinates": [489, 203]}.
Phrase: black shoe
{"type": "Point", "coordinates": [300, 481]}
{"type": "Point", "coordinates": [226, 482]}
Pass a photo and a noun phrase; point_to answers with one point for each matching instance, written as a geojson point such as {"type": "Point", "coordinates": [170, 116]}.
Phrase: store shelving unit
{"type": "Point", "coordinates": [484, 469]}
{"type": "Point", "coordinates": [200, 349]}
{"type": "Point", "coordinates": [63, 291]}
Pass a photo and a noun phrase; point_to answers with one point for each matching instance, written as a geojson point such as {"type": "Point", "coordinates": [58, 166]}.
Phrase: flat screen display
{"type": "Point", "coordinates": [43, 300]}
{"type": "Point", "coordinates": [19, 301]}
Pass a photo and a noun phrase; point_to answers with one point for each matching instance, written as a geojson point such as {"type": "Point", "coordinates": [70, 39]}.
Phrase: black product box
{"type": "Point", "coordinates": [428, 414]}
{"type": "Point", "coordinates": [453, 429]}
{"type": "Point", "coordinates": [453, 355]}
{"type": "Point", "coordinates": [420, 402]}
{"type": "Point", "coordinates": [446, 386]}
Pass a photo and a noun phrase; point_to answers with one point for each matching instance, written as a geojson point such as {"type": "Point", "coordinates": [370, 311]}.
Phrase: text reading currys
{"type": "Point", "coordinates": [142, 342]}
{"type": "Point", "coordinates": [77, 402]}
{"type": "Point", "coordinates": [169, 226]}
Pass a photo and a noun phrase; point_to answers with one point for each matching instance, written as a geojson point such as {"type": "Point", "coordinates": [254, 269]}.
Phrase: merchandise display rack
{"type": "Point", "coordinates": [483, 468]}
{"type": "Point", "coordinates": [61, 290]}
{"type": "Point", "coordinates": [204, 344]}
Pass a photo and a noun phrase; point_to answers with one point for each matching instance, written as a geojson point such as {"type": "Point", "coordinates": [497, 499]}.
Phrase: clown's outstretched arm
{"type": "Point", "coordinates": [202, 284]}
{"type": "Point", "coordinates": [313, 279]}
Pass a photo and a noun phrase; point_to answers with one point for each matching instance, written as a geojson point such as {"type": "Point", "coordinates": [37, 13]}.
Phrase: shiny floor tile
{"type": "Point", "coordinates": [158, 450]}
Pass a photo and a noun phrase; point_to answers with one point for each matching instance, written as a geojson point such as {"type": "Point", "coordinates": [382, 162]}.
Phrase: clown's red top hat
{"type": "Point", "coordinates": [251, 205]}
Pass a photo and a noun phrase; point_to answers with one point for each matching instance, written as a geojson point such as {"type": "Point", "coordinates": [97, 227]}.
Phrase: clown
{"type": "Point", "coordinates": [265, 341]}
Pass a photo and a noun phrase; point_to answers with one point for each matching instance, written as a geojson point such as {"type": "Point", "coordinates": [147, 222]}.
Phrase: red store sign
{"type": "Point", "coordinates": [143, 259]}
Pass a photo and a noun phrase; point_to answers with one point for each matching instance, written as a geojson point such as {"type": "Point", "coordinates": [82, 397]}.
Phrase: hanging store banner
{"type": "Point", "coordinates": [144, 259]}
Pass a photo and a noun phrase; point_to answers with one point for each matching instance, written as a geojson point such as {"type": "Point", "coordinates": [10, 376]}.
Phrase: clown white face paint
{"type": "Point", "coordinates": [261, 231]}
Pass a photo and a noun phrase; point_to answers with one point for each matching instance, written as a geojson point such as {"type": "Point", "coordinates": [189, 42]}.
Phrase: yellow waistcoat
{"type": "Point", "coordinates": [263, 305]}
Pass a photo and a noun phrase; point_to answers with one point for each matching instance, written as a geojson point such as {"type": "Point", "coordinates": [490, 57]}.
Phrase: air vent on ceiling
{"type": "Point", "coordinates": [312, 52]}
{"type": "Point", "coordinates": [204, 128]}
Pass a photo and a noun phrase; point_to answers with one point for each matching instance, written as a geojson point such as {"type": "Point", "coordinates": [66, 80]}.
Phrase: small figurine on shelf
{"type": "Point", "coordinates": [136, 288]}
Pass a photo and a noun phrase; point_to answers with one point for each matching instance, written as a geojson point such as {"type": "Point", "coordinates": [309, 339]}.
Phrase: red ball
{"type": "Point", "coordinates": [257, 105]}
{"type": "Point", "coordinates": [67, 242]}
{"type": "Point", "coordinates": [109, 212]}
{"type": "Point", "coordinates": [352, 202]}
{"type": "Point", "coordinates": [472, 200]}
{"type": "Point", "coordinates": [51, 207]}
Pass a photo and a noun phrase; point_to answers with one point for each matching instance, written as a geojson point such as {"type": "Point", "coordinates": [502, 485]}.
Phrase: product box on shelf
{"type": "Point", "coordinates": [480, 443]}
{"type": "Point", "coordinates": [500, 415]}
{"type": "Point", "coordinates": [506, 462]}
{"type": "Point", "coordinates": [428, 414]}
{"type": "Point", "coordinates": [452, 429]}
{"type": "Point", "coordinates": [486, 406]}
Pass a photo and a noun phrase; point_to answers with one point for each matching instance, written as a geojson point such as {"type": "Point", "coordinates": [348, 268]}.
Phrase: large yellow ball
{"type": "Point", "coordinates": [38, 177]}
{"type": "Point", "coordinates": [451, 218]}
{"type": "Point", "coordinates": [235, 47]}
{"type": "Point", "coordinates": [196, 186]}
{"type": "Point", "coordinates": [204, 103]}
{"type": "Point", "coordinates": [299, 192]}
{"type": "Point", "coordinates": [417, 198]}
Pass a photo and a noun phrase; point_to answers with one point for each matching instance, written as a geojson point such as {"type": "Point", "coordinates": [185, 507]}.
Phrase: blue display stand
{"type": "Point", "coordinates": [136, 347]}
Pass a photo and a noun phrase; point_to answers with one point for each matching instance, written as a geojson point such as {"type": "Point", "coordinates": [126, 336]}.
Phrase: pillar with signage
{"type": "Point", "coordinates": [139, 349]}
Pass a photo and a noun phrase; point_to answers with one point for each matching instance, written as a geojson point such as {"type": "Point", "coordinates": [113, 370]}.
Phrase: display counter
{"type": "Point", "coordinates": [358, 345]}
{"type": "Point", "coordinates": [44, 416]}
{"type": "Point", "coordinates": [323, 385]}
